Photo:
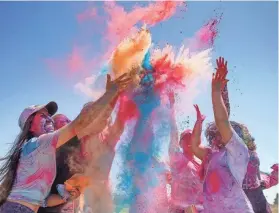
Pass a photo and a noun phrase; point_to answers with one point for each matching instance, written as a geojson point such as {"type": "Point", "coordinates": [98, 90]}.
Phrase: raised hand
{"type": "Point", "coordinates": [200, 117]}
{"type": "Point", "coordinates": [219, 78]}
{"type": "Point", "coordinates": [196, 146]}
{"type": "Point", "coordinates": [119, 84]}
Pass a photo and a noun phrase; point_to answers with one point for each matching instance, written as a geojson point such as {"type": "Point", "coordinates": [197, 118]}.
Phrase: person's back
{"type": "Point", "coordinates": [186, 186]}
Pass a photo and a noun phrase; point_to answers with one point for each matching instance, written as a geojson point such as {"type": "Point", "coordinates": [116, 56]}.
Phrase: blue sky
{"type": "Point", "coordinates": [34, 31]}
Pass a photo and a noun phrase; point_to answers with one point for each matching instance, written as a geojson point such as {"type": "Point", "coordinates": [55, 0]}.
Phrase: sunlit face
{"type": "Point", "coordinates": [42, 123]}
{"type": "Point", "coordinates": [185, 143]}
{"type": "Point", "coordinates": [60, 121]}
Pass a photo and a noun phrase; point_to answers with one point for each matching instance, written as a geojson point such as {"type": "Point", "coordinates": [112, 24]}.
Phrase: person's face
{"type": "Point", "coordinates": [60, 121]}
{"type": "Point", "coordinates": [42, 123]}
{"type": "Point", "coordinates": [185, 143]}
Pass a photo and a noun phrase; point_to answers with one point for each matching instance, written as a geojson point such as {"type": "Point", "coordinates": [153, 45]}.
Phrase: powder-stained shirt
{"type": "Point", "coordinates": [36, 170]}
{"type": "Point", "coordinates": [252, 177]}
{"type": "Point", "coordinates": [225, 171]}
{"type": "Point", "coordinates": [186, 186]}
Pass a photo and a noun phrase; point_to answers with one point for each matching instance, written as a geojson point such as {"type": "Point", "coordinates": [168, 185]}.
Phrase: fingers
{"type": "Point", "coordinates": [197, 109]}
{"type": "Point", "coordinates": [223, 75]}
{"type": "Point", "coordinates": [124, 81]}
{"type": "Point", "coordinates": [203, 117]}
{"type": "Point", "coordinates": [200, 117]}
{"type": "Point", "coordinates": [221, 62]}
{"type": "Point", "coordinates": [123, 76]}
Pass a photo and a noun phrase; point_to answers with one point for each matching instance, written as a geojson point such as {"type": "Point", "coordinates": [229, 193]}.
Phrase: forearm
{"type": "Point", "coordinates": [219, 108]}
{"type": "Point", "coordinates": [221, 116]}
{"type": "Point", "coordinates": [114, 133]}
{"type": "Point", "coordinates": [95, 115]}
{"type": "Point", "coordinates": [225, 97]}
{"type": "Point", "coordinates": [196, 146]}
{"type": "Point", "coordinates": [174, 142]}
{"type": "Point", "coordinates": [54, 200]}
{"type": "Point", "coordinates": [91, 120]}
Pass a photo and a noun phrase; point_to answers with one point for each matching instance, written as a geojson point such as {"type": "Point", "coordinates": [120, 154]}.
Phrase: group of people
{"type": "Point", "coordinates": [47, 168]}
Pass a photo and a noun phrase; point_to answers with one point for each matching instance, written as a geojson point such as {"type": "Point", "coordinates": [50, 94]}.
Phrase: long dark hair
{"type": "Point", "coordinates": [8, 170]}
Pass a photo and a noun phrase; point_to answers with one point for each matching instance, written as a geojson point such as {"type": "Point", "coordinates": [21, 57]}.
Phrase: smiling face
{"type": "Point", "coordinates": [42, 123]}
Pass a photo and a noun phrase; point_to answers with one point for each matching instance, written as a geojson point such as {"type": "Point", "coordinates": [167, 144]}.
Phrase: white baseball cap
{"type": "Point", "coordinates": [51, 107]}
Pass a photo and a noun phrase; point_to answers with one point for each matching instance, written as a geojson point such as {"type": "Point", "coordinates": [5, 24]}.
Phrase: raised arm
{"type": "Point", "coordinates": [198, 150]}
{"type": "Point", "coordinates": [93, 117]}
{"type": "Point", "coordinates": [220, 112]}
{"type": "Point", "coordinates": [225, 96]}
{"type": "Point", "coordinates": [127, 111]}
{"type": "Point", "coordinates": [113, 133]}
{"type": "Point", "coordinates": [174, 142]}
{"type": "Point", "coordinates": [270, 180]}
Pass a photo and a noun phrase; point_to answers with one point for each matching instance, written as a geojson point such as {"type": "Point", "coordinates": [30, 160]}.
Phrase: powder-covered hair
{"type": "Point", "coordinates": [242, 131]}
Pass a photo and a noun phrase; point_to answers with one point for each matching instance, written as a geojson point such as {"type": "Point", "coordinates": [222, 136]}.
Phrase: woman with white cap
{"type": "Point", "coordinates": [30, 166]}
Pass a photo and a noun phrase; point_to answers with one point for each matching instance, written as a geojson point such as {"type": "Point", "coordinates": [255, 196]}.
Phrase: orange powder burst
{"type": "Point", "coordinates": [130, 52]}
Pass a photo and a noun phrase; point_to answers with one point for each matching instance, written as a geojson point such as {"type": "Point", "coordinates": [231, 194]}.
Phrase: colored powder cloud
{"type": "Point", "coordinates": [118, 24]}
{"type": "Point", "coordinates": [189, 66]}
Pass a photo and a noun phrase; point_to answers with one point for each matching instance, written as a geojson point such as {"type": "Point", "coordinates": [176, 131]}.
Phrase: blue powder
{"type": "Point", "coordinates": [145, 145]}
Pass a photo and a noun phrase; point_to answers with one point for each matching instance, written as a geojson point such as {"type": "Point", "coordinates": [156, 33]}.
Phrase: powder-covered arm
{"type": "Point", "coordinates": [220, 112]}
{"type": "Point", "coordinates": [225, 97]}
{"type": "Point", "coordinates": [112, 135]}
{"type": "Point", "coordinates": [93, 117]}
{"type": "Point", "coordinates": [198, 150]}
{"type": "Point", "coordinates": [174, 140]}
